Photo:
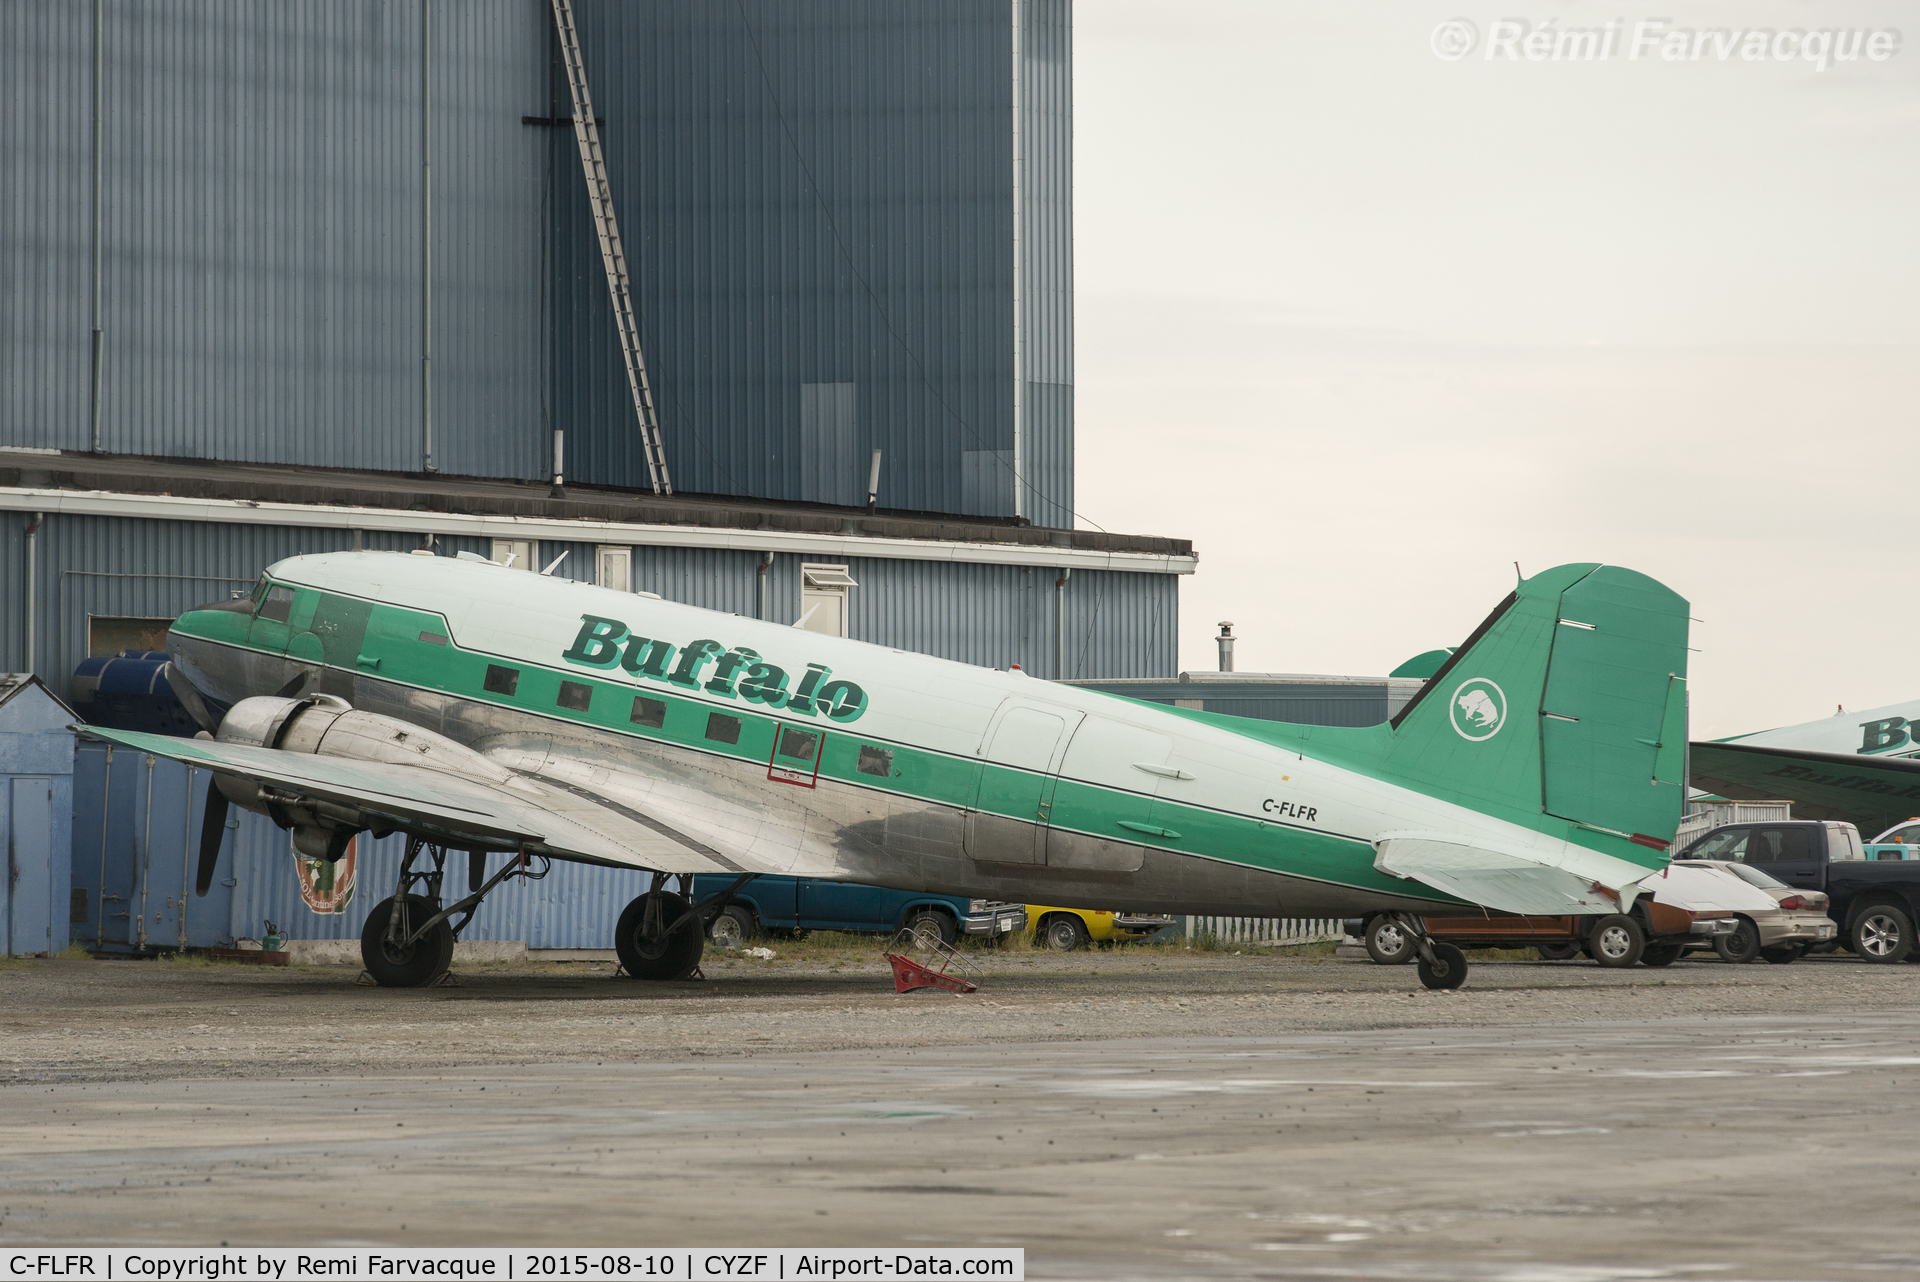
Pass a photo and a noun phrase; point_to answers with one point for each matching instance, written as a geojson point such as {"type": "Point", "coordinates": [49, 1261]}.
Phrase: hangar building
{"type": "Point", "coordinates": [312, 276]}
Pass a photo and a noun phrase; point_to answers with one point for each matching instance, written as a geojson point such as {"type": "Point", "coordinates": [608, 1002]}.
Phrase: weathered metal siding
{"type": "Point", "coordinates": [831, 207]}
{"type": "Point", "coordinates": [1047, 237]}
{"type": "Point", "coordinates": [261, 255]}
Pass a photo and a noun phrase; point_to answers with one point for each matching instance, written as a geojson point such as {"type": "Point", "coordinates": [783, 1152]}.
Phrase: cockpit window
{"type": "Point", "coordinates": [260, 590]}
{"type": "Point", "coordinates": [277, 605]}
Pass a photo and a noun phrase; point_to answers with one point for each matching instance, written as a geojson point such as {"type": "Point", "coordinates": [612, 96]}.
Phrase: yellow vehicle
{"type": "Point", "coordinates": [1069, 928]}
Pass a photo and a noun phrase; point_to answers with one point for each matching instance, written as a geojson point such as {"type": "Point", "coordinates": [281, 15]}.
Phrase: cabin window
{"type": "Point", "coordinates": [722, 728]}
{"type": "Point", "coordinates": [575, 695]}
{"type": "Point", "coordinates": [875, 761]}
{"type": "Point", "coordinates": [502, 680]}
{"type": "Point", "coordinates": [649, 712]}
{"type": "Point", "coordinates": [798, 745]}
{"type": "Point", "coordinates": [433, 638]}
{"type": "Point", "coordinates": [278, 603]}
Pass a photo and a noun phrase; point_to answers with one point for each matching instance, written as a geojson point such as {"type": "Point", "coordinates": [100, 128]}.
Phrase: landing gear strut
{"type": "Point", "coordinates": [1440, 965]}
{"type": "Point", "coordinates": [408, 939]}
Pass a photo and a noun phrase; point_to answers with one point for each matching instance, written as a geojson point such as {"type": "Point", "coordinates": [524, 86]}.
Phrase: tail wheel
{"type": "Point", "coordinates": [1557, 952]}
{"type": "Point", "coordinates": [1388, 942]}
{"type": "Point", "coordinates": [657, 954]}
{"type": "Point", "coordinates": [1616, 941]}
{"type": "Point", "coordinates": [1786, 953]}
{"type": "Point", "coordinates": [1882, 934]}
{"type": "Point", "coordinates": [403, 965]}
{"type": "Point", "coordinates": [1448, 969]}
{"type": "Point", "coordinates": [1063, 933]}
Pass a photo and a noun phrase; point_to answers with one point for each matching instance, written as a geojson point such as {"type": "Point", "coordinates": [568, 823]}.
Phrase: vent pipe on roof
{"type": "Point", "coordinates": [1225, 642]}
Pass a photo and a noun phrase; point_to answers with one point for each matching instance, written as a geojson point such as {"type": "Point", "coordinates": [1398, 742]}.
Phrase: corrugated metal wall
{"type": "Point", "coordinates": [816, 194]}
{"type": "Point", "coordinates": [810, 195]}
{"type": "Point", "coordinates": [1047, 198]}
{"type": "Point", "coordinates": [261, 249]}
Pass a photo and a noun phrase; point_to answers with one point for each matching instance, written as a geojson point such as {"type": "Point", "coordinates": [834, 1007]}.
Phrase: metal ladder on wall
{"type": "Point", "coordinates": [600, 200]}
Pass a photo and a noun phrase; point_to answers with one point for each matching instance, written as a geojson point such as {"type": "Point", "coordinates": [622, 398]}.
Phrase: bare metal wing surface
{"type": "Point", "coordinates": [508, 814]}
{"type": "Point", "coordinates": [1871, 792]}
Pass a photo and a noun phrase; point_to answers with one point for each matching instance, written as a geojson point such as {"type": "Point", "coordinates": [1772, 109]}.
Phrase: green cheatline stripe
{"type": "Point", "coordinates": [392, 636]}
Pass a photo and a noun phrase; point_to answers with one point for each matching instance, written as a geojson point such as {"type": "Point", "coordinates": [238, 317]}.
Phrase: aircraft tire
{"type": "Point", "coordinates": [412, 967]}
{"type": "Point", "coordinates": [1784, 954]}
{"type": "Point", "coordinates": [1448, 969]}
{"type": "Point", "coordinates": [1660, 954]}
{"type": "Point", "coordinates": [676, 957]}
{"type": "Point", "coordinates": [1557, 952]}
{"type": "Point", "coordinates": [1389, 943]}
{"type": "Point", "coordinates": [1616, 941]}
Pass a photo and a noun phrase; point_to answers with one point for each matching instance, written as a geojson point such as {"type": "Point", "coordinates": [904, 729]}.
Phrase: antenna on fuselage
{"type": "Point", "coordinates": [554, 564]}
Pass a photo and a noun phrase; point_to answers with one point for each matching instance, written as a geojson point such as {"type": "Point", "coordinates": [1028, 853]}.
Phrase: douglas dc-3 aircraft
{"type": "Point", "coordinates": [480, 708]}
{"type": "Point", "coordinates": [1862, 767]}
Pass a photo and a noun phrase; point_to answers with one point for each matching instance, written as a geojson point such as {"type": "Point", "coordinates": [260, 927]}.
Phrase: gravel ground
{"type": "Point", "coordinates": [84, 1020]}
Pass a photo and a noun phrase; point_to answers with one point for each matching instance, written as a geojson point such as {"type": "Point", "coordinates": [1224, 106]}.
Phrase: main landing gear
{"type": "Point", "coordinates": [1440, 965]}
{"type": "Point", "coordinates": [662, 936]}
{"type": "Point", "coordinates": [408, 939]}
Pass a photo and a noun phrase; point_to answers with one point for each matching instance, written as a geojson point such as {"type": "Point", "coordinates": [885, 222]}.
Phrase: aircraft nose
{"type": "Point", "coordinates": [202, 646]}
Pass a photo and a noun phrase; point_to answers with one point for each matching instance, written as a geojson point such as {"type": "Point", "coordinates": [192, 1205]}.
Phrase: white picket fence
{"type": "Point", "coordinates": [1266, 930]}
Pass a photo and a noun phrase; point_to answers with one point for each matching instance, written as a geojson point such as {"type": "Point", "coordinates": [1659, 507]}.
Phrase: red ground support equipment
{"type": "Point", "coordinates": [909, 974]}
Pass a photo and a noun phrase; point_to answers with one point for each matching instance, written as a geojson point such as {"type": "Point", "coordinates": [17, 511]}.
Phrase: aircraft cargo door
{"type": "Point", "coordinates": [1022, 747]}
{"type": "Point", "coordinates": [1104, 802]}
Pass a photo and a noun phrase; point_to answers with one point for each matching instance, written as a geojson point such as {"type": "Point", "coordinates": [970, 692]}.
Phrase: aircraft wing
{"type": "Point", "coordinates": [1873, 793]}
{"type": "Point", "coordinates": [446, 808]}
{"type": "Point", "coordinates": [1547, 883]}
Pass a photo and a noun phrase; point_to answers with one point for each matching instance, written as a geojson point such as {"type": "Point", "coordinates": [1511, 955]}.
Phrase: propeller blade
{"type": "Point", "coordinates": [213, 831]}
{"type": "Point", "coordinates": [190, 699]}
{"type": "Point", "coordinates": [292, 689]}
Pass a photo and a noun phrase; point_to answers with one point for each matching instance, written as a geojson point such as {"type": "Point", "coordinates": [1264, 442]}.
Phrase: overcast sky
{"type": "Point", "coordinates": [1370, 325]}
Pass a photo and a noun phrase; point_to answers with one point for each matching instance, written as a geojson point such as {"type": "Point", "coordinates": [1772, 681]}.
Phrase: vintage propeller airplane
{"type": "Point", "coordinates": [480, 708]}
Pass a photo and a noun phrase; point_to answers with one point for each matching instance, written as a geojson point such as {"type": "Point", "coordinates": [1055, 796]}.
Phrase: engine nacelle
{"type": "Point", "coordinates": [330, 727]}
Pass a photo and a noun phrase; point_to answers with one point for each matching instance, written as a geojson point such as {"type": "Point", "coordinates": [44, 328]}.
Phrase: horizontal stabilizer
{"type": "Point", "coordinates": [1511, 882]}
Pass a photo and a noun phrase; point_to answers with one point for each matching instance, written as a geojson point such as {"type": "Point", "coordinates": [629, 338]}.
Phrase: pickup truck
{"type": "Point", "coordinates": [1874, 903]}
{"type": "Point", "coordinates": [808, 903]}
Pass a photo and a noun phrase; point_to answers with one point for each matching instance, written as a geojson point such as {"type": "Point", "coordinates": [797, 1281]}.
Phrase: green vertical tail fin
{"type": "Point", "coordinates": [1568, 703]}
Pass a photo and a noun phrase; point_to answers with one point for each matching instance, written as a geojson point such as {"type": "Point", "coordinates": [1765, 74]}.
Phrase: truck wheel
{"type": "Point", "coordinates": [1388, 943]}
{"type": "Point", "coordinates": [1063, 933]}
{"type": "Point", "coordinates": [1557, 952]}
{"type": "Point", "coordinates": [1448, 969]}
{"type": "Point", "coordinates": [1660, 954]}
{"type": "Point", "coordinates": [1882, 933]}
{"type": "Point", "coordinates": [1742, 946]}
{"type": "Point", "coordinates": [1785, 953]}
{"type": "Point", "coordinates": [930, 921]}
{"type": "Point", "coordinates": [732, 928]}
{"type": "Point", "coordinates": [1616, 941]}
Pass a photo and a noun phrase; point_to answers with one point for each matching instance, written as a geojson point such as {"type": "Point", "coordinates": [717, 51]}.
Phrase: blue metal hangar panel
{"type": "Point", "coordinates": [850, 227]}
{"type": "Point", "coordinates": [238, 231]}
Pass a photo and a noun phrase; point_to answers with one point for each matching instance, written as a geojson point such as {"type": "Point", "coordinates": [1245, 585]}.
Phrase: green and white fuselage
{"type": "Point", "coordinates": [1538, 772]}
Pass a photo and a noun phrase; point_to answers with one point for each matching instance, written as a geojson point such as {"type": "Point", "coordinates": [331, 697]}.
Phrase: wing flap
{"type": "Point", "coordinates": [442, 806]}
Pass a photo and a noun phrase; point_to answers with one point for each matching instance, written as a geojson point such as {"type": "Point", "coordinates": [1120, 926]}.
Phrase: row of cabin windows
{"type": "Point", "coordinates": [801, 745]}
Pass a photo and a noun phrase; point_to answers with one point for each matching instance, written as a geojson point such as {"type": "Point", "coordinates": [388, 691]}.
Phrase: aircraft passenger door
{"type": "Point", "coordinates": [1011, 808]}
{"type": "Point", "coordinates": [1104, 803]}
